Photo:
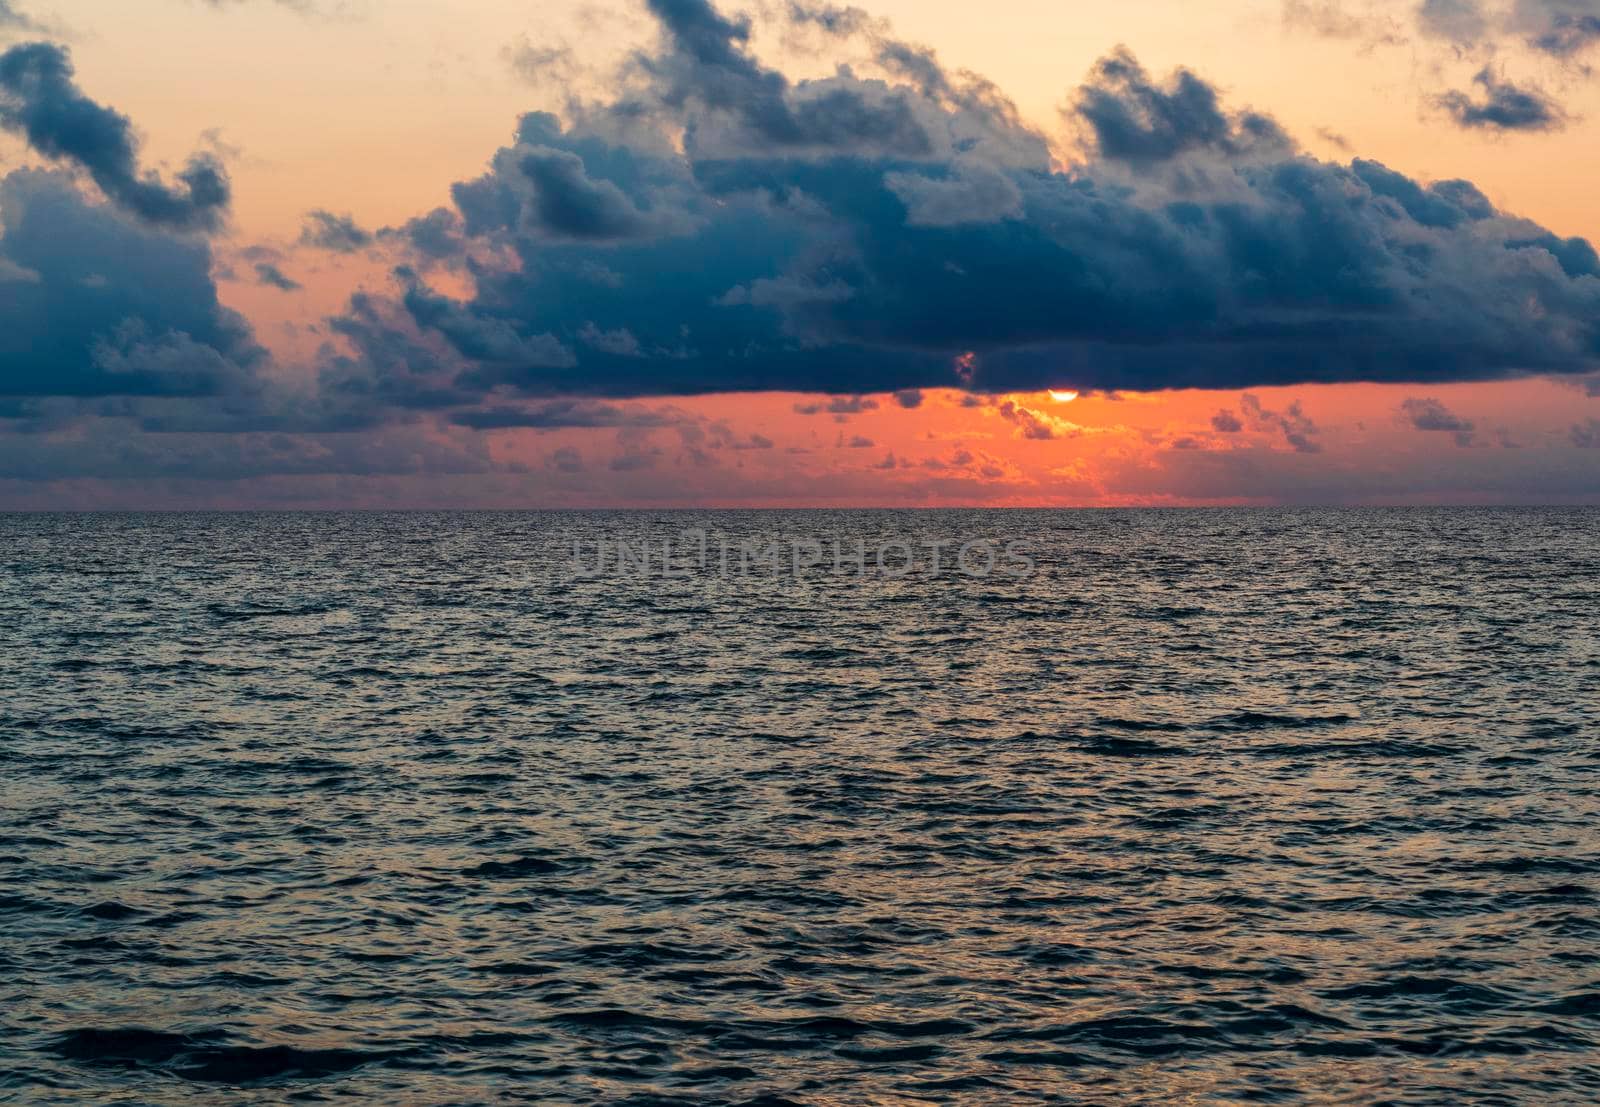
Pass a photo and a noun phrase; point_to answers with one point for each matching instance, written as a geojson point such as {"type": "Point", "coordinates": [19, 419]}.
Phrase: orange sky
{"type": "Point", "coordinates": [376, 108]}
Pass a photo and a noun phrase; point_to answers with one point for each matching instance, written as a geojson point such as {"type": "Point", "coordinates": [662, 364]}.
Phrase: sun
{"type": "Point", "coordinates": [1063, 397]}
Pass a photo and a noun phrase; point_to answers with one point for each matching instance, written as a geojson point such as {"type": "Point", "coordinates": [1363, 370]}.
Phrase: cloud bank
{"type": "Point", "coordinates": [900, 227]}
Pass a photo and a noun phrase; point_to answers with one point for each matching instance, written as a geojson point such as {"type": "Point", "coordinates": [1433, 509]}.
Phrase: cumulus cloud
{"type": "Point", "coordinates": [1503, 106]}
{"type": "Point", "coordinates": [1586, 436]}
{"type": "Point", "coordinates": [838, 405]}
{"type": "Point", "coordinates": [1137, 120]}
{"type": "Point", "coordinates": [435, 238]}
{"type": "Point", "coordinates": [1298, 430]}
{"type": "Point", "coordinates": [1035, 425]}
{"type": "Point", "coordinates": [108, 305]}
{"type": "Point", "coordinates": [341, 234]}
{"type": "Point", "coordinates": [744, 247]}
{"type": "Point", "coordinates": [705, 66]}
{"type": "Point", "coordinates": [268, 274]}
{"type": "Point", "coordinates": [970, 193]}
{"type": "Point", "coordinates": [1429, 414]}
{"type": "Point", "coordinates": [40, 101]}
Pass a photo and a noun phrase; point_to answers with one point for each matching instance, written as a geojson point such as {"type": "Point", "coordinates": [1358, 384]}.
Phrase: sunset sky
{"type": "Point", "coordinates": [418, 253]}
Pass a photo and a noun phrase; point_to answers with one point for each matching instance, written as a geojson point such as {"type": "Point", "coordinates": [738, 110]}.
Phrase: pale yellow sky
{"type": "Point", "coordinates": [378, 106]}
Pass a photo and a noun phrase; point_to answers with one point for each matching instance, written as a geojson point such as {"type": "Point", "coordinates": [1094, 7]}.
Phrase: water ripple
{"type": "Point", "coordinates": [1231, 806]}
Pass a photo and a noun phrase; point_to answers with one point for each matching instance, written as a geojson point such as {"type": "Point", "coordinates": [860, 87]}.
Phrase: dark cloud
{"type": "Point", "coordinates": [270, 275]}
{"type": "Point", "coordinates": [40, 102]}
{"type": "Point", "coordinates": [838, 405]}
{"type": "Point", "coordinates": [1503, 106]}
{"type": "Point", "coordinates": [909, 398]}
{"type": "Point", "coordinates": [96, 304]}
{"type": "Point", "coordinates": [210, 459]}
{"type": "Point", "coordinates": [1297, 428]}
{"type": "Point", "coordinates": [501, 351]}
{"type": "Point", "coordinates": [705, 65]}
{"type": "Point", "coordinates": [564, 202]}
{"type": "Point", "coordinates": [647, 259]}
{"type": "Point", "coordinates": [1226, 422]}
{"type": "Point", "coordinates": [1429, 414]}
{"type": "Point", "coordinates": [1563, 28]}
{"type": "Point", "coordinates": [970, 192]}
{"type": "Point", "coordinates": [325, 230]}
{"type": "Point", "coordinates": [564, 414]}
{"type": "Point", "coordinates": [635, 461]}
{"type": "Point", "coordinates": [1560, 28]}
{"type": "Point", "coordinates": [564, 187]}
{"type": "Point", "coordinates": [433, 238]}
{"type": "Point", "coordinates": [566, 460]}
{"type": "Point", "coordinates": [1135, 120]}
{"type": "Point", "coordinates": [620, 342]}
{"type": "Point", "coordinates": [1586, 436]}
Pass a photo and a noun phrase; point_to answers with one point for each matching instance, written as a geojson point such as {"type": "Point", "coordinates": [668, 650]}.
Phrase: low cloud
{"type": "Point", "coordinates": [40, 101]}
{"type": "Point", "coordinates": [1135, 119]}
{"type": "Point", "coordinates": [707, 233]}
{"type": "Point", "coordinates": [838, 405]}
{"type": "Point", "coordinates": [1503, 106]}
{"type": "Point", "coordinates": [106, 305]}
{"type": "Point", "coordinates": [270, 275]}
{"type": "Point", "coordinates": [1429, 414]}
{"type": "Point", "coordinates": [340, 234]}
{"type": "Point", "coordinates": [1297, 429]}
{"type": "Point", "coordinates": [1226, 422]}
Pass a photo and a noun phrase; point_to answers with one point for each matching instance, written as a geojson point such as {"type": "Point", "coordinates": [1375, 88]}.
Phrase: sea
{"type": "Point", "coordinates": [828, 808]}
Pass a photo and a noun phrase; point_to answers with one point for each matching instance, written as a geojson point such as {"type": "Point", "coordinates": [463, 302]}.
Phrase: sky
{"type": "Point", "coordinates": [671, 253]}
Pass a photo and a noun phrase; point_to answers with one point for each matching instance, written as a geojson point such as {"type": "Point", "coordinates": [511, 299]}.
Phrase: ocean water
{"type": "Point", "coordinates": [1206, 807]}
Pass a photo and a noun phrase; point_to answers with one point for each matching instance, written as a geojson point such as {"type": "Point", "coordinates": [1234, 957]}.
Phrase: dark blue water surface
{"type": "Point", "coordinates": [1213, 807]}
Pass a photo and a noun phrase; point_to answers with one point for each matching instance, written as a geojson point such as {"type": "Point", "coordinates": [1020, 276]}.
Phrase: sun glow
{"type": "Point", "coordinates": [1063, 397]}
